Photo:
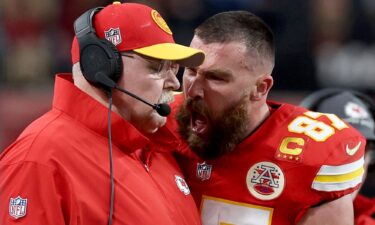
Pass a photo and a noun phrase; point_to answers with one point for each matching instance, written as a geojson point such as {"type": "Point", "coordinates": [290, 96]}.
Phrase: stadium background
{"type": "Point", "coordinates": [320, 44]}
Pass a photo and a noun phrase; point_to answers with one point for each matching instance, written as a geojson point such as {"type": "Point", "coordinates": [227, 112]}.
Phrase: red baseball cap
{"type": "Point", "coordinates": [137, 27]}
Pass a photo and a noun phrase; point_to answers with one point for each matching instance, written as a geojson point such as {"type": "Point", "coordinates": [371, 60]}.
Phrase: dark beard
{"type": "Point", "coordinates": [224, 133]}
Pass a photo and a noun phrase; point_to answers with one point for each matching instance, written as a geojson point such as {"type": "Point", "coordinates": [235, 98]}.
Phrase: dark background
{"type": "Point", "coordinates": [320, 43]}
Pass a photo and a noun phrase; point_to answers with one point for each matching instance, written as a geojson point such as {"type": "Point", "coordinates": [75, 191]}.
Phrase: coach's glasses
{"type": "Point", "coordinates": [161, 67]}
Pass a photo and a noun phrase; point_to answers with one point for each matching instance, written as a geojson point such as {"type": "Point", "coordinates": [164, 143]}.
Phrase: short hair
{"type": "Point", "coordinates": [239, 26]}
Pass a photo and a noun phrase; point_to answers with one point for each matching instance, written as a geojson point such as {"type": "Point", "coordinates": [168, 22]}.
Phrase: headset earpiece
{"type": "Point", "coordinates": [98, 57]}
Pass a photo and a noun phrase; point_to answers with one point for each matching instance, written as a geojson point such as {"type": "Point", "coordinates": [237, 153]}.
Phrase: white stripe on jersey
{"type": "Point", "coordinates": [338, 178]}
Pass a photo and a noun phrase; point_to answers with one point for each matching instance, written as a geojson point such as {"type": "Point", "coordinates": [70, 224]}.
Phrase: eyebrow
{"type": "Point", "coordinates": [222, 73]}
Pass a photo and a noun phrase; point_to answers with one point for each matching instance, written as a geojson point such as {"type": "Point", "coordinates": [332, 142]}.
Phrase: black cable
{"type": "Point", "coordinates": [134, 96]}
{"type": "Point", "coordinates": [110, 158]}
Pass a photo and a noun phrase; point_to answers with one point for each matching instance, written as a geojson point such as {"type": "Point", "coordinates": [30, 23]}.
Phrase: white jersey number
{"type": "Point", "coordinates": [315, 129]}
{"type": "Point", "coordinates": [216, 211]}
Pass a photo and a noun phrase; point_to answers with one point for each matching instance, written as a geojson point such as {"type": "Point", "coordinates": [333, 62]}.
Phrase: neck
{"type": "Point", "coordinates": [258, 115]}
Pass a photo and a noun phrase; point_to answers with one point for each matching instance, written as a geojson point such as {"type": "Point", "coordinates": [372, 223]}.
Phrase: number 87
{"type": "Point", "coordinates": [315, 129]}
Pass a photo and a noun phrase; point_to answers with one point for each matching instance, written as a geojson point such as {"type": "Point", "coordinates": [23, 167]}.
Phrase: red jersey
{"type": "Point", "coordinates": [57, 171]}
{"type": "Point", "coordinates": [295, 160]}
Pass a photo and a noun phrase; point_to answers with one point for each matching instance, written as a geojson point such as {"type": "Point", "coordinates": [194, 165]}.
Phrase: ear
{"type": "Point", "coordinates": [262, 87]}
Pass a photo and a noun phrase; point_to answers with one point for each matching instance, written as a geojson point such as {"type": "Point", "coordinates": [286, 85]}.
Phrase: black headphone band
{"type": "Point", "coordinates": [83, 25]}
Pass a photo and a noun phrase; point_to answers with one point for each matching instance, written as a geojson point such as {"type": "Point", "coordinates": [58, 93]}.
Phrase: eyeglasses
{"type": "Point", "coordinates": [155, 66]}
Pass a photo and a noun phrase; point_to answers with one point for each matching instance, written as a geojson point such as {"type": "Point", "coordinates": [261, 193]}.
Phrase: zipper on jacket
{"type": "Point", "coordinates": [144, 157]}
{"type": "Point", "coordinates": [146, 167]}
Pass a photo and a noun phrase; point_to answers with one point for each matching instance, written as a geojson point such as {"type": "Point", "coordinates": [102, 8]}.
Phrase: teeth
{"type": "Point", "coordinates": [198, 123]}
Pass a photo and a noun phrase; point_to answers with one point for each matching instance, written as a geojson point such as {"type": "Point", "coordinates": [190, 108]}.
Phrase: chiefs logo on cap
{"type": "Point", "coordinates": [160, 21]}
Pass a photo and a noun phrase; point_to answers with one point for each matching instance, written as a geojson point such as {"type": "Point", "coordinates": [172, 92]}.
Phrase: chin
{"type": "Point", "coordinates": [154, 124]}
{"type": "Point", "coordinates": [152, 131]}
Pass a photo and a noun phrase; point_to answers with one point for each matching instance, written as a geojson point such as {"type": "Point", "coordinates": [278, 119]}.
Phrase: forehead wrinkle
{"type": "Point", "coordinates": [235, 51]}
{"type": "Point", "coordinates": [241, 52]}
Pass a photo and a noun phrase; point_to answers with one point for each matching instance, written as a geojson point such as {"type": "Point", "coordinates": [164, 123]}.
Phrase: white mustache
{"type": "Point", "coordinates": [166, 97]}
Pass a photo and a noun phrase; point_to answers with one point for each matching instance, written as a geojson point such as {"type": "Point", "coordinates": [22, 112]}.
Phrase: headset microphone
{"type": "Point", "coordinates": [162, 109]}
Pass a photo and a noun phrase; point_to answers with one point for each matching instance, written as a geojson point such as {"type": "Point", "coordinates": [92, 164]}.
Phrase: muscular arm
{"type": "Point", "coordinates": [339, 211]}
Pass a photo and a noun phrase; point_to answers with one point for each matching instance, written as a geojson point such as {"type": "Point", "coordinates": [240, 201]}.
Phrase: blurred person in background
{"type": "Point", "coordinates": [29, 31]}
{"type": "Point", "coordinates": [248, 160]}
{"type": "Point", "coordinates": [358, 110]}
{"type": "Point", "coordinates": [97, 157]}
{"type": "Point", "coordinates": [342, 37]}
{"type": "Point", "coordinates": [44, 30]}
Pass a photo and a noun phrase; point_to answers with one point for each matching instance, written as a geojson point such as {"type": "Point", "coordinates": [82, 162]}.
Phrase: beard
{"type": "Point", "coordinates": [223, 134]}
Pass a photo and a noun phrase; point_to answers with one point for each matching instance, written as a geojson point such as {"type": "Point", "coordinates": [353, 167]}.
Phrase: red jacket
{"type": "Point", "coordinates": [364, 210]}
{"type": "Point", "coordinates": [57, 171]}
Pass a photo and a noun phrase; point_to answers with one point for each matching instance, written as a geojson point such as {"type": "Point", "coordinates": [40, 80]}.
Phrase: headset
{"type": "Point", "coordinates": [101, 65]}
{"type": "Point", "coordinates": [313, 100]}
{"type": "Point", "coordinates": [98, 57]}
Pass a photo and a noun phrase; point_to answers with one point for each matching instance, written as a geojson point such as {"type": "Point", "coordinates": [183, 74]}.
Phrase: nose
{"type": "Point", "coordinates": [172, 82]}
{"type": "Point", "coordinates": [193, 86]}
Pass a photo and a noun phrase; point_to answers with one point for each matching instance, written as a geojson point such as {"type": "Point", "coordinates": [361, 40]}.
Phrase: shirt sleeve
{"type": "Point", "coordinates": [31, 193]}
{"type": "Point", "coordinates": [342, 171]}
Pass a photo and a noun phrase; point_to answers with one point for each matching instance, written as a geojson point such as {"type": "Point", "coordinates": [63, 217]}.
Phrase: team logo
{"type": "Point", "coordinates": [265, 180]}
{"type": "Point", "coordinates": [355, 111]}
{"type": "Point", "coordinates": [203, 171]}
{"type": "Point", "coordinates": [113, 35]}
{"type": "Point", "coordinates": [160, 21]}
{"type": "Point", "coordinates": [352, 151]}
{"type": "Point", "coordinates": [17, 207]}
{"type": "Point", "coordinates": [182, 185]}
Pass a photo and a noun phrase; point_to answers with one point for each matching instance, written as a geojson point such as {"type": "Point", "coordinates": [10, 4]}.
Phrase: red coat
{"type": "Point", "coordinates": [364, 209]}
{"type": "Point", "coordinates": [57, 171]}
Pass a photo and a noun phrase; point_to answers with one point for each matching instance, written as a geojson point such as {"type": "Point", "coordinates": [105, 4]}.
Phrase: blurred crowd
{"type": "Point", "coordinates": [319, 44]}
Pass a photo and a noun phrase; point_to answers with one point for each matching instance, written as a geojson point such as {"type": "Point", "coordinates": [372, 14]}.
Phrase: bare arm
{"type": "Point", "coordinates": [339, 211]}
